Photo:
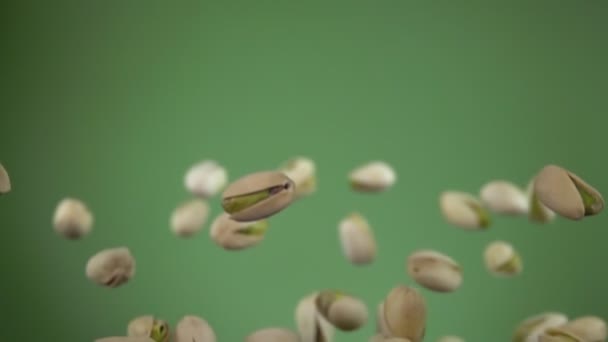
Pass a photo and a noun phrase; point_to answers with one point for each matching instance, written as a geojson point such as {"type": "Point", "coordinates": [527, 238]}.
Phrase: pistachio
{"type": "Point", "coordinates": [501, 259]}
{"type": "Point", "coordinates": [188, 218]}
{"type": "Point", "coordinates": [111, 267]}
{"type": "Point", "coordinates": [72, 219]}
{"type": "Point", "coordinates": [538, 212]}
{"type": "Point", "coordinates": [258, 196]}
{"type": "Point", "coordinates": [375, 176]}
{"type": "Point", "coordinates": [589, 328]}
{"type": "Point", "coordinates": [273, 335]}
{"type": "Point", "coordinates": [233, 235]}
{"type": "Point", "coordinates": [205, 179]}
{"type": "Point", "coordinates": [530, 329]}
{"type": "Point", "coordinates": [567, 194]}
{"type": "Point", "coordinates": [463, 210]}
{"type": "Point", "coordinates": [357, 240]}
{"type": "Point", "coordinates": [381, 326]}
{"type": "Point", "coordinates": [194, 329]}
{"type": "Point", "coordinates": [5, 181]}
{"type": "Point", "coordinates": [503, 197]}
{"type": "Point", "coordinates": [301, 171]}
{"type": "Point", "coordinates": [434, 270]}
{"type": "Point", "coordinates": [450, 339]}
{"type": "Point", "coordinates": [312, 326]}
{"type": "Point", "coordinates": [559, 334]}
{"type": "Point", "coordinates": [341, 310]}
{"type": "Point", "coordinates": [405, 313]}
{"type": "Point", "coordinates": [149, 326]}
{"type": "Point", "coordinates": [124, 339]}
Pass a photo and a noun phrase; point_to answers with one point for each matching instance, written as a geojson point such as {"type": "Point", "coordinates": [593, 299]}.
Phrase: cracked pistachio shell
{"type": "Point", "coordinates": [194, 329]}
{"type": "Point", "coordinates": [343, 311]}
{"type": "Point", "coordinates": [357, 240]}
{"type": "Point", "coordinates": [258, 196]}
{"type": "Point", "coordinates": [538, 212]}
{"type": "Point", "coordinates": [233, 235]}
{"type": "Point", "coordinates": [273, 335]}
{"type": "Point", "coordinates": [124, 339]}
{"type": "Point", "coordinates": [205, 179]}
{"type": "Point", "coordinates": [567, 194]}
{"type": "Point", "coordinates": [5, 181]}
{"type": "Point", "coordinates": [463, 210]}
{"type": "Point", "coordinates": [450, 339]}
{"type": "Point", "coordinates": [311, 325]}
{"type": "Point", "coordinates": [149, 326]}
{"type": "Point", "coordinates": [589, 328]}
{"type": "Point", "coordinates": [381, 326]}
{"type": "Point", "coordinates": [501, 259]}
{"type": "Point", "coordinates": [434, 270]}
{"type": "Point", "coordinates": [111, 267]}
{"type": "Point", "coordinates": [503, 197]}
{"type": "Point", "coordinates": [302, 171]}
{"type": "Point", "coordinates": [375, 176]}
{"type": "Point", "coordinates": [405, 313]}
{"type": "Point", "coordinates": [531, 328]}
{"type": "Point", "coordinates": [189, 217]}
{"type": "Point", "coordinates": [72, 219]}
{"type": "Point", "coordinates": [559, 334]}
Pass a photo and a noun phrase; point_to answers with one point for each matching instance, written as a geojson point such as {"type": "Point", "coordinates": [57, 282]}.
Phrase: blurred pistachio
{"type": "Point", "coordinates": [567, 194]}
{"type": "Point", "coordinates": [72, 219]}
{"type": "Point", "coordinates": [381, 326]}
{"type": "Point", "coordinates": [343, 311]}
{"type": "Point", "coordinates": [234, 235]}
{"type": "Point", "coordinates": [111, 267]}
{"type": "Point", "coordinates": [559, 334]}
{"type": "Point", "coordinates": [311, 325]}
{"type": "Point", "coordinates": [538, 212]}
{"type": "Point", "coordinates": [405, 313]}
{"type": "Point", "coordinates": [205, 179]}
{"type": "Point", "coordinates": [124, 339]}
{"type": "Point", "coordinates": [589, 328]}
{"type": "Point", "coordinates": [503, 197]}
{"type": "Point", "coordinates": [273, 335]}
{"type": "Point", "coordinates": [501, 259]}
{"type": "Point", "coordinates": [302, 171]}
{"type": "Point", "coordinates": [375, 176]}
{"type": "Point", "coordinates": [258, 195]}
{"type": "Point", "coordinates": [450, 339]}
{"type": "Point", "coordinates": [193, 329]}
{"type": "Point", "coordinates": [434, 270]}
{"type": "Point", "coordinates": [149, 326]}
{"type": "Point", "coordinates": [463, 210]}
{"type": "Point", "coordinates": [189, 217]}
{"type": "Point", "coordinates": [357, 240]}
{"type": "Point", "coordinates": [5, 181]}
{"type": "Point", "coordinates": [531, 328]}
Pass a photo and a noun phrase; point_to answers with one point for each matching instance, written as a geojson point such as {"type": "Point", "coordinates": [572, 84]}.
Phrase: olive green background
{"type": "Point", "coordinates": [112, 101]}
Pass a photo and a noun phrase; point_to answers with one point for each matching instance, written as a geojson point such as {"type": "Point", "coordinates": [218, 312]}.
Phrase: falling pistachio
{"type": "Point", "coordinates": [381, 326]}
{"type": "Point", "coordinates": [501, 259]}
{"type": "Point", "coordinates": [72, 219]}
{"type": "Point", "coordinates": [273, 335]}
{"type": "Point", "coordinates": [530, 329]}
{"type": "Point", "coordinates": [537, 212]}
{"type": "Point", "coordinates": [311, 325]}
{"type": "Point", "coordinates": [357, 240]}
{"type": "Point", "coordinates": [189, 218]}
{"type": "Point", "coordinates": [233, 235]}
{"type": "Point", "coordinates": [5, 181]}
{"type": "Point", "coordinates": [343, 311]}
{"type": "Point", "coordinates": [434, 270]}
{"type": "Point", "coordinates": [567, 194]}
{"type": "Point", "coordinates": [503, 197]}
{"type": "Point", "coordinates": [111, 267]}
{"type": "Point", "coordinates": [405, 313]}
{"type": "Point", "coordinates": [463, 210]}
{"type": "Point", "coordinates": [205, 179]}
{"type": "Point", "coordinates": [589, 328]}
{"type": "Point", "coordinates": [559, 334]}
{"type": "Point", "coordinates": [258, 196]}
{"type": "Point", "coordinates": [193, 329]}
{"type": "Point", "coordinates": [302, 171]}
{"type": "Point", "coordinates": [375, 176]}
{"type": "Point", "coordinates": [149, 326]}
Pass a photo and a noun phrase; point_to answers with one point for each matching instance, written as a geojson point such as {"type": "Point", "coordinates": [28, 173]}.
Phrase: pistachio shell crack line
{"type": "Point", "coordinates": [238, 203]}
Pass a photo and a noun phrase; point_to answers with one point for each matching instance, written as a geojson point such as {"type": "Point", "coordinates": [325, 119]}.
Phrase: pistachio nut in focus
{"type": "Point", "coordinates": [111, 267]}
{"type": "Point", "coordinates": [302, 171]}
{"type": "Point", "coordinates": [149, 326]}
{"type": "Point", "coordinates": [5, 181]}
{"type": "Point", "coordinates": [193, 329]}
{"type": "Point", "coordinates": [567, 194]}
{"type": "Point", "coordinates": [531, 328]}
{"type": "Point", "coordinates": [434, 270]}
{"type": "Point", "coordinates": [72, 219]}
{"type": "Point", "coordinates": [357, 240]}
{"type": "Point", "coordinates": [189, 217]}
{"type": "Point", "coordinates": [343, 311]}
{"type": "Point", "coordinates": [234, 235]}
{"type": "Point", "coordinates": [375, 176]}
{"type": "Point", "coordinates": [501, 259]}
{"type": "Point", "coordinates": [538, 212]}
{"type": "Point", "coordinates": [504, 197]}
{"type": "Point", "coordinates": [405, 313]}
{"type": "Point", "coordinates": [311, 325]}
{"type": "Point", "coordinates": [258, 196]}
{"type": "Point", "coordinates": [205, 179]}
{"type": "Point", "coordinates": [463, 210]}
{"type": "Point", "coordinates": [273, 335]}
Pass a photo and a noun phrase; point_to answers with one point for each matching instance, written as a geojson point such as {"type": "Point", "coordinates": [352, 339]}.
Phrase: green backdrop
{"type": "Point", "coordinates": [112, 101]}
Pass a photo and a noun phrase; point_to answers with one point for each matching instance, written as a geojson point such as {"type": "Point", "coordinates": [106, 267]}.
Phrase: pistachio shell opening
{"type": "Point", "coordinates": [501, 259]}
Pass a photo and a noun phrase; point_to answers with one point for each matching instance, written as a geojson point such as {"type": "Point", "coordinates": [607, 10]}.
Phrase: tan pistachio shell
{"type": "Point", "coordinates": [374, 176]}
{"type": "Point", "coordinates": [501, 259]}
{"type": "Point", "coordinates": [405, 313]}
{"type": "Point", "coordinates": [273, 335]}
{"type": "Point", "coordinates": [193, 329]}
{"type": "Point", "coordinates": [189, 217]}
{"type": "Point", "coordinates": [206, 178]}
{"type": "Point", "coordinates": [111, 267]}
{"type": "Point", "coordinates": [463, 210]}
{"type": "Point", "coordinates": [357, 240]}
{"type": "Point", "coordinates": [5, 181]}
{"type": "Point", "coordinates": [434, 270]}
{"type": "Point", "coordinates": [72, 219]}
{"type": "Point", "coordinates": [538, 212]}
{"type": "Point", "coordinates": [504, 197]}
{"type": "Point", "coordinates": [230, 234]}
{"type": "Point", "coordinates": [531, 328]}
{"type": "Point", "coordinates": [311, 325]}
{"type": "Point", "coordinates": [589, 328]}
{"type": "Point", "coordinates": [343, 311]}
{"type": "Point", "coordinates": [302, 171]}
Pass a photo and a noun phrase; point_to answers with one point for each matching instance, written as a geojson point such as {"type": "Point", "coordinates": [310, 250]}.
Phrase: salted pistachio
{"type": "Point", "coordinates": [302, 171]}
{"type": "Point", "coordinates": [450, 338]}
{"type": "Point", "coordinates": [5, 181]}
{"type": "Point", "coordinates": [537, 212]}
{"type": "Point", "coordinates": [434, 270]}
{"type": "Point", "coordinates": [72, 219]}
{"type": "Point", "coordinates": [405, 313]}
{"type": "Point", "coordinates": [567, 194]}
{"type": "Point", "coordinates": [357, 239]}
{"type": "Point", "coordinates": [589, 328]}
{"type": "Point", "coordinates": [234, 235]}
{"type": "Point", "coordinates": [531, 328]}
{"type": "Point", "coordinates": [273, 335]}
{"type": "Point", "coordinates": [559, 334]}
{"type": "Point", "coordinates": [501, 259]}
{"type": "Point", "coordinates": [375, 176]}
{"type": "Point", "coordinates": [342, 310]}
{"type": "Point", "coordinates": [111, 267]}
{"type": "Point", "coordinates": [193, 329]}
{"type": "Point", "coordinates": [258, 196]}
{"type": "Point", "coordinates": [206, 178]}
{"type": "Point", "coordinates": [504, 197]}
{"type": "Point", "coordinates": [381, 326]}
{"type": "Point", "coordinates": [124, 339]}
{"type": "Point", "coordinates": [311, 325]}
{"type": "Point", "coordinates": [189, 217]}
{"type": "Point", "coordinates": [464, 210]}
{"type": "Point", "coordinates": [149, 326]}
